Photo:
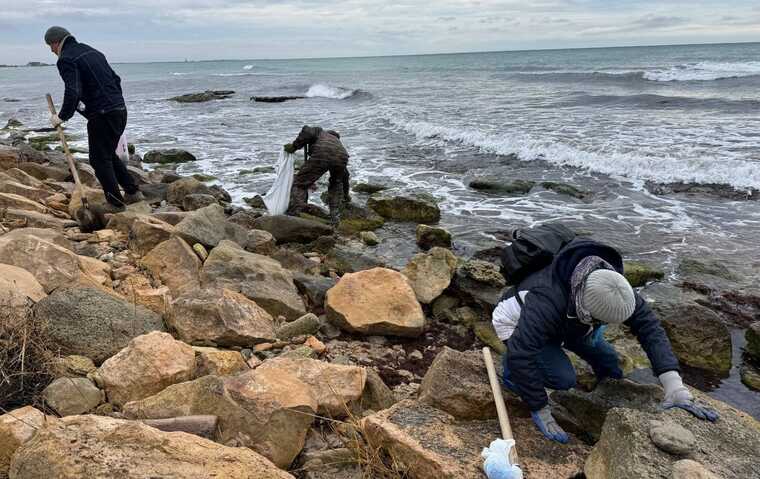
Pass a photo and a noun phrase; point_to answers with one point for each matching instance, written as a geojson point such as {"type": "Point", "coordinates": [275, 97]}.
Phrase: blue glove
{"type": "Point", "coordinates": [548, 426]}
{"type": "Point", "coordinates": [496, 460]}
{"type": "Point", "coordinates": [678, 395]}
{"type": "Point", "coordinates": [596, 335]}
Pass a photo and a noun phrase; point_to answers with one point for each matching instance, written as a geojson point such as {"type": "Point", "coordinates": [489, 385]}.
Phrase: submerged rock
{"type": "Point", "coordinates": [201, 97]}
{"type": "Point", "coordinates": [717, 190]}
{"type": "Point", "coordinates": [401, 205]}
{"type": "Point", "coordinates": [99, 447]}
{"type": "Point", "coordinates": [375, 302]}
{"type": "Point", "coordinates": [509, 187]}
{"type": "Point", "coordinates": [430, 237]}
{"type": "Point", "coordinates": [168, 156]}
{"type": "Point", "coordinates": [355, 219]}
{"type": "Point", "coordinates": [639, 274]}
{"type": "Point", "coordinates": [275, 99]}
{"type": "Point", "coordinates": [565, 189]}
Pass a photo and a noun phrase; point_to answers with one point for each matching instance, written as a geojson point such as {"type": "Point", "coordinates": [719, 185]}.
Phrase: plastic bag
{"type": "Point", "coordinates": [277, 198]}
{"type": "Point", "coordinates": [122, 149]}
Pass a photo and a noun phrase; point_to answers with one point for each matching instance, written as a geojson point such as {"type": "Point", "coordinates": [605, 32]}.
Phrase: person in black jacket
{"type": "Point", "coordinates": [569, 304]}
{"type": "Point", "coordinates": [93, 89]}
{"type": "Point", "coordinates": [325, 152]}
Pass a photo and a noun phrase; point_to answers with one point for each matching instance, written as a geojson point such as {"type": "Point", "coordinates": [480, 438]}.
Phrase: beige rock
{"type": "Point", "coordinates": [52, 265]}
{"type": "Point", "coordinates": [267, 411]}
{"type": "Point", "coordinates": [375, 301]}
{"type": "Point", "coordinates": [98, 447]}
{"type": "Point", "coordinates": [688, 469]}
{"type": "Point", "coordinates": [175, 264]}
{"type": "Point", "coordinates": [51, 236]}
{"type": "Point", "coordinates": [28, 192]}
{"type": "Point", "coordinates": [315, 344]}
{"type": "Point", "coordinates": [122, 222]}
{"type": "Point", "coordinates": [17, 427]}
{"type": "Point", "coordinates": [147, 232]}
{"type": "Point", "coordinates": [157, 300]}
{"type": "Point", "coordinates": [258, 277]}
{"type": "Point", "coordinates": [218, 362]}
{"type": "Point", "coordinates": [17, 286]}
{"type": "Point", "coordinates": [334, 386]}
{"type": "Point", "coordinates": [73, 366]}
{"type": "Point", "coordinates": [72, 396]}
{"type": "Point", "coordinates": [26, 179]}
{"type": "Point", "coordinates": [149, 364]}
{"type": "Point", "coordinates": [96, 270]}
{"type": "Point", "coordinates": [430, 274]}
{"type": "Point", "coordinates": [9, 157]}
{"type": "Point", "coordinates": [35, 219]}
{"type": "Point", "coordinates": [220, 317]}
{"type": "Point", "coordinates": [10, 200]}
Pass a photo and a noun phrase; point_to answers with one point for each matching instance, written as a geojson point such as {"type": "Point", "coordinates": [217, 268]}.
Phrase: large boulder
{"type": "Point", "coordinates": [219, 317]}
{"type": "Point", "coordinates": [184, 187]}
{"type": "Point", "coordinates": [18, 286]}
{"type": "Point", "coordinates": [72, 396]}
{"type": "Point", "coordinates": [258, 277]}
{"type": "Point", "coordinates": [697, 334]}
{"type": "Point", "coordinates": [405, 206]}
{"type": "Point", "coordinates": [204, 96]}
{"type": "Point", "coordinates": [376, 301]}
{"type": "Point", "coordinates": [11, 200]}
{"type": "Point", "coordinates": [457, 382]}
{"type": "Point", "coordinates": [37, 220]}
{"type": "Point", "coordinates": [148, 365]}
{"type": "Point", "coordinates": [208, 226]}
{"type": "Point", "coordinates": [268, 411]}
{"type": "Point", "coordinates": [334, 386]}
{"type": "Point", "coordinates": [430, 274]}
{"type": "Point", "coordinates": [146, 233]}
{"type": "Point", "coordinates": [628, 450]}
{"type": "Point", "coordinates": [92, 323]}
{"type": "Point", "coordinates": [99, 447]}
{"type": "Point", "coordinates": [52, 265]}
{"type": "Point", "coordinates": [168, 156]}
{"type": "Point", "coordinates": [480, 281]}
{"type": "Point", "coordinates": [28, 192]}
{"type": "Point", "coordinates": [175, 264]}
{"type": "Point", "coordinates": [16, 428]}
{"type": "Point", "coordinates": [290, 229]}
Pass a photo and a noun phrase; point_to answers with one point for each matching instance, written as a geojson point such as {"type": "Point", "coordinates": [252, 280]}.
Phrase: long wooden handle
{"type": "Point", "coordinates": [501, 408]}
{"type": "Point", "coordinates": [69, 158]}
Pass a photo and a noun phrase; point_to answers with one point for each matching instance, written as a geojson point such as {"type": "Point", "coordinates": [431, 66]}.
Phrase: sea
{"type": "Point", "coordinates": [605, 120]}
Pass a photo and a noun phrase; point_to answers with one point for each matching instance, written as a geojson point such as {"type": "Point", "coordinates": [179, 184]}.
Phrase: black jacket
{"type": "Point", "coordinates": [88, 78]}
{"type": "Point", "coordinates": [548, 317]}
{"type": "Point", "coordinates": [324, 145]}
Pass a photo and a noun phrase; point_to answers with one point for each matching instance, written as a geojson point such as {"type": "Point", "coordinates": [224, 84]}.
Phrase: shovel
{"type": "Point", "coordinates": [88, 220]}
{"type": "Point", "coordinates": [500, 458]}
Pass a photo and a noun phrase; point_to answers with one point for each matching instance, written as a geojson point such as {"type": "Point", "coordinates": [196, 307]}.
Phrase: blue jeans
{"type": "Point", "coordinates": [558, 372]}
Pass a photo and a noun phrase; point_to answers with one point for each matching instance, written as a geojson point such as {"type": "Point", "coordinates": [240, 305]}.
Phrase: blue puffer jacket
{"type": "Point", "coordinates": [548, 317]}
{"type": "Point", "coordinates": [88, 78]}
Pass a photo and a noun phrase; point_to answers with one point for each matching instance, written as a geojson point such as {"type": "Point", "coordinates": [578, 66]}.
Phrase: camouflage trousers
{"type": "Point", "coordinates": [309, 174]}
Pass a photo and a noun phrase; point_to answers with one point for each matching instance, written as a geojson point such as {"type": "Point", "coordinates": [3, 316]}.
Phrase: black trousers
{"type": "Point", "coordinates": [310, 173]}
{"type": "Point", "coordinates": [103, 133]}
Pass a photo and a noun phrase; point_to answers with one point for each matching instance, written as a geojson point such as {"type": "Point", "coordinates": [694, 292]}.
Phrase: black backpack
{"type": "Point", "coordinates": [532, 249]}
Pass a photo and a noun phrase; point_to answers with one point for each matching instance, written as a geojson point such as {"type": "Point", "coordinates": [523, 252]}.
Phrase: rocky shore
{"type": "Point", "coordinates": [309, 352]}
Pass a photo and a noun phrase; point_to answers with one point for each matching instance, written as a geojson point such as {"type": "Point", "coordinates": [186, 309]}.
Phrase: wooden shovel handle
{"type": "Point", "coordinates": [501, 408]}
{"type": "Point", "coordinates": [69, 158]}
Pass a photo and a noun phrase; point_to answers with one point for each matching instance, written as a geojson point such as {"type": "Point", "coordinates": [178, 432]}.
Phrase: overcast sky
{"type": "Point", "coordinates": [166, 30]}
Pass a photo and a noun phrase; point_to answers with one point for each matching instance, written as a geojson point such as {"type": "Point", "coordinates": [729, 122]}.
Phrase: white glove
{"type": "Point", "coordinates": [55, 121]}
{"type": "Point", "coordinates": [496, 460]}
{"type": "Point", "coordinates": [677, 395]}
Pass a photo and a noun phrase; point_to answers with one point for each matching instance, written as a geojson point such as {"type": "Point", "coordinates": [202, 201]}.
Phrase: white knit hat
{"type": "Point", "coordinates": [608, 296]}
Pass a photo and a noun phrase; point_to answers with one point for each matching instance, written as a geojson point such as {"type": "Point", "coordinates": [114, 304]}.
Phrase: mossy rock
{"type": "Point", "coordinates": [751, 377]}
{"type": "Point", "coordinates": [355, 219]}
{"type": "Point", "coordinates": [639, 274]}
{"type": "Point", "coordinates": [404, 206]}
{"type": "Point", "coordinates": [168, 156]}
{"type": "Point", "coordinates": [257, 170]}
{"type": "Point", "coordinates": [13, 123]}
{"type": "Point", "coordinates": [565, 189]}
{"type": "Point", "coordinates": [753, 340]}
{"type": "Point", "coordinates": [41, 143]}
{"type": "Point", "coordinates": [431, 236]}
{"type": "Point", "coordinates": [203, 177]}
{"type": "Point", "coordinates": [73, 149]}
{"type": "Point", "coordinates": [485, 333]}
{"type": "Point", "coordinates": [369, 238]}
{"type": "Point", "coordinates": [509, 187]}
{"type": "Point", "coordinates": [368, 188]}
{"type": "Point", "coordinates": [131, 148]}
{"type": "Point", "coordinates": [693, 267]}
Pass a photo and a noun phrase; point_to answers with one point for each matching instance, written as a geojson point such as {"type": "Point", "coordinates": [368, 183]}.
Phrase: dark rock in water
{"type": "Point", "coordinates": [13, 123]}
{"type": "Point", "coordinates": [255, 202]}
{"type": "Point", "coordinates": [275, 99]}
{"type": "Point", "coordinates": [354, 219]}
{"type": "Point", "coordinates": [207, 95]}
{"type": "Point", "coordinates": [639, 274]}
{"type": "Point", "coordinates": [289, 229]}
{"type": "Point", "coordinates": [715, 190]}
{"type": "Point", "coordinates": [313, 287]}
{"type": "Point", "coordinates": [621, 414]}
{"type": "Point", "coordinates": [368, 188]}
{"type": "Point", "coordinates": [92, 323]}
{"type": "Point", "coordinates": [430, 237]}
{"type": "Point", "coordinates": [565, 189]}
{"type": "Point", "coordinates": [750, 376]}
{"type": "Point", "coordinates": [257, 170]}
{"type": "Point", "coordinates": [698, 336]}
{"type": "Point", "coordinates": [509, 187]}
{"type": "Point", "coordinates": [401, 205]}
{"type": "Point", "coordinates": [753, 340]}
{"type": "Point", "coordinates": [171, 155]}
{"type": "Point", "coordinates": [220, 194]}
{"type": "Point", "coordinates": [197, 201]}
{"type": "Point", "coordinates": [203, 177]}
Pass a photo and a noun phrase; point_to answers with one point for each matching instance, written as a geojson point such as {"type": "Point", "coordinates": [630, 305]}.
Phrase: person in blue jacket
{"type": "Point", "coordinates": [93, 90]}
{"type": "Point", "coordinates": [568, 305]}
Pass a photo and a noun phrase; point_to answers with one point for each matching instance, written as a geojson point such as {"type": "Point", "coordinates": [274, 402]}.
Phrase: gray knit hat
{"type": "Point", "coordinates": [55, 34]}
{"type": "Point", "coordinates": [608, 296]}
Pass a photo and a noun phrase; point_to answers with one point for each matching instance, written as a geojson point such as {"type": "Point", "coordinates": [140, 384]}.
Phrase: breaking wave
{"type": "Point", "coordinates": [248, 67]}
{"type": "Point", "coordinates": [704, 71]}
{"type": "Point", "coordinates": [326, 91]}
{"type": "Point", "coordinates": [738, 173]}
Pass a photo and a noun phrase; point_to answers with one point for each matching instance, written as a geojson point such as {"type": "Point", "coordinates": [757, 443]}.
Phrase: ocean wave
{"type": "Point", "coordinates": [738, 173]}
{"type": "Point", "coordinates": [326, 91]}
{"type": "Point", "coordinates": [652, 101]}
{"type": "Point", "coordinates": [248, 67]}
{"type": "Point", "coordinates": [235, 74]}
{"type": "Point", "coordinates": [704, 71]}
{"type": "Point", "coordinates": [181, 73]}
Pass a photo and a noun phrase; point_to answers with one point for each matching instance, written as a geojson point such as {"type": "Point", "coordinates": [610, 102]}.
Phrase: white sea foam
{"type": "Point", "coordinates": [248, 67]}
{"type": "Point", "coordinates": [704, 71]}
{"type": "Point", "coordinates": [739, 173]}
{"type": "Point", "coordinates": [181, 73]}
{"type": "Point", "coordinates": [326, 91]}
